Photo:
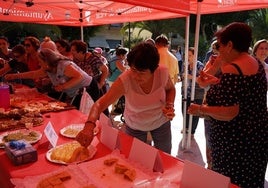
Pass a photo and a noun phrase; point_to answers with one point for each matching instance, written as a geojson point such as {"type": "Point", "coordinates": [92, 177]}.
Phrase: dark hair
{"type": "Point", "coordinates": [19, 49]}
{"type": "Point", "coordinates": [150, 40]}
{"type": "Point", "coordinates": [143, 56]}
{"type": "Point", "coordinates": [80, 46]}
{"type": "Point", "coordinates": [238, 33]}
{"type": "Point", "coordinates": [34, 42]}
{"type": "Point", "coordinates": [162, 40]}
{"type": "Point", "coordinates": [121, 51]}
{"type": "Point", "coordinates": [65, 44]}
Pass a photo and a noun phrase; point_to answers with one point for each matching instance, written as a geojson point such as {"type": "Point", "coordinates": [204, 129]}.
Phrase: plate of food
{"type": "Point", "coordinates": [31, 136]}
{"type": "Point", "coordinates": [71, 152]}
{"type": "Point", "coordinates": [72, 130]}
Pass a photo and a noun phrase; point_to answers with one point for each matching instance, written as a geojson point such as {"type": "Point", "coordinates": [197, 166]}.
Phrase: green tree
{"type": "Point", "coordinates": [17, 31]}
{"type": "Point", "coordinates": [74, 33]}
{"type": "Point", "coordinates": [158, 27]}
{"type": "Point", "coordinates": [258, 21]}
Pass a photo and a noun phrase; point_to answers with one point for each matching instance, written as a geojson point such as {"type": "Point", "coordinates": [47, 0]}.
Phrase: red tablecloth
{"type": "Point", "coordinates": [60, 120]}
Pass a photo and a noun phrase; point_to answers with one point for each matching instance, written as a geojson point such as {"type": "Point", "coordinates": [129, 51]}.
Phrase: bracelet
{"type": "Point", "coordinates": [92, 122]}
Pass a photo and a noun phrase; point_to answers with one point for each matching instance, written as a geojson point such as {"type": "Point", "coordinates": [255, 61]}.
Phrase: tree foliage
{"type": "Point", "coordinates": [74, 33]}
{"type": "Point", "coordinates": [16, 32]}
{"type": "Point", "coordinates": [258, 21]}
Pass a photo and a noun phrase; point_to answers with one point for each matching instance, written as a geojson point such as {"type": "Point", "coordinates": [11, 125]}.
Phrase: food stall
{"type": "Point", "coordinates": [102, 167]}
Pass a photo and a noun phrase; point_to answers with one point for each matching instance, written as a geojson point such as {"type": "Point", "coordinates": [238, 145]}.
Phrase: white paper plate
{"type": "Point", "coordinates": [25, 132]}
{"type": "Point", "coordinates": [74, 129]}
{"type": "Point", "coordinates": [92, 150]}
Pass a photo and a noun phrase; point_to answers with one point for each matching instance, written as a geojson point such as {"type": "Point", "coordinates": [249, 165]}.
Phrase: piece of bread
{"type": "Point", "coordinates": [70, 152]}
{"type": "Point", "coordinates": [120, 168]}
{"type": "Point", "coordinates": [55, 181]}
{"type": "Point", "coordinates": [130, 174]}
{"type": "Point", "coordinates": [110, 161]}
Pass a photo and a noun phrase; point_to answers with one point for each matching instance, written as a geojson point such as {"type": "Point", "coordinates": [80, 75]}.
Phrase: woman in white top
{"type": "Point", "coordinates": [260, 51]}
{"type": "Point", "coordinates": [149, 98]}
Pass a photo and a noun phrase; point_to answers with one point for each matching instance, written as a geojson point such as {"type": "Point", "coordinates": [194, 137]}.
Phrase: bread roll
{"type": "Point", "coordinates": [130, 174]}
{"type": "Point", "coordinates": [120, 168]}
{"type": "Point", "coordinates": [55, 181]}
{"type": "Point", "coordinates": [70, 152]}
{"type": "Point", "coordinates": [110, 162]}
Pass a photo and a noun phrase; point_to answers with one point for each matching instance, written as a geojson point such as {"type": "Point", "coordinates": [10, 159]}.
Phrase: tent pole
{"type": "Point", "coordinates": [82, 33]}
{"type": "Point", "coordinates": [185, 84]}
{"type": "Point", "coordinates": [129, 35]}
{"type": "Point", "coordinates": [197, 30]}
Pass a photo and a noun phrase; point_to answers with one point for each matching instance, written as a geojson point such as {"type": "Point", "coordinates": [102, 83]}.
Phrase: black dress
{"type": "Point", "coordinates": [239, 146]}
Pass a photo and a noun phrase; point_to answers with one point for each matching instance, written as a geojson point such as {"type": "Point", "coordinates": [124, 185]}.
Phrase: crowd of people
{"type": "Point", "coordinates": [230, 93]}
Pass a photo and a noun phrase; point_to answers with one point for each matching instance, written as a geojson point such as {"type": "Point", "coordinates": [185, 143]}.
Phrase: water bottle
{"type": "Point", "coordinates": [4, 96]}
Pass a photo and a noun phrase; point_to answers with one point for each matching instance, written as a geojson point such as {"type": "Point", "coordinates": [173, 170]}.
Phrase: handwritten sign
{"type": "Point", "coordinates": [51, 134]}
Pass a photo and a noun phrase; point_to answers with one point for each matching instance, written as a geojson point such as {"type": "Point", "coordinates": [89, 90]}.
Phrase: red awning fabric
{"type": "Point", "coordinates": [207, 6]}
{"type": "Point", "coordinates": [79, 13]}
{"type": "Point", "coordinates": [221, 6]}
{"type": "Point", "coordinates": [101, 12]}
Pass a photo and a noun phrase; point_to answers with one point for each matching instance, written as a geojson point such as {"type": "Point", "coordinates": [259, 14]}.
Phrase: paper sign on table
{"type": "Point", "coordinates": [51, 134]}
{"type": "Point", "coordinates": [104, 120]}
{"type": "Point", "coordinates": [110, 136]}
{"type": "Point", "coordinates": [194, 176]}
{"type": "Point", "coordinates": [152, 160]}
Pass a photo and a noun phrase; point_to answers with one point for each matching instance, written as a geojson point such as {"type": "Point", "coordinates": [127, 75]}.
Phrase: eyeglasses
{"type": "Point", "coordinates": [27, 45]}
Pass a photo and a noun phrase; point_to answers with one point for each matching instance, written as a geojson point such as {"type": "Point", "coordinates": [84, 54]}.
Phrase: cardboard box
{"type": "Point", "coordinates": [20, 152]}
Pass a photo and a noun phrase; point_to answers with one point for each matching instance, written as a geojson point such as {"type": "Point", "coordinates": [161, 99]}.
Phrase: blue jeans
{"type": "Point", "coordinates": [161, 136]}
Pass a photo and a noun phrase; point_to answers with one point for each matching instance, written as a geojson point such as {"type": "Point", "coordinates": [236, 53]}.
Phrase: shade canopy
{"type": "Point", "coordinates": [207, 6]}
{"type": "Point", "coordinates": [101, 12]}
{"type": "Point", "coordinates": [80, 13]}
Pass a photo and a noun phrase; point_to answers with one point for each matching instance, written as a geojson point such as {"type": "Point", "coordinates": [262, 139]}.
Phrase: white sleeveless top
{"type": "Point", "coordinates": [144, 111]}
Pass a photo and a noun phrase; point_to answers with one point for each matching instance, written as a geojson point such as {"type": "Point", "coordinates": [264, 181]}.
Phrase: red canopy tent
{"type": "Point", "coordinates": [207, 7]}
{"type": "Point", "coordinates": [199, 7]}
{"type": "Point", "coordinates": [99, 12]}
{"type": "Point", "coordinates": [80, 13]}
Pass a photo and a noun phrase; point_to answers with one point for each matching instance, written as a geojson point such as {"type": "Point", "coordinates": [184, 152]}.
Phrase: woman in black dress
{"type": "Point", "coordinates": [237, 106]}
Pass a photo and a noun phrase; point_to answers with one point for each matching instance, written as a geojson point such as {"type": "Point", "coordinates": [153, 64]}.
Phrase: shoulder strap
{"type": "Point", "coordinates": [237, 68]}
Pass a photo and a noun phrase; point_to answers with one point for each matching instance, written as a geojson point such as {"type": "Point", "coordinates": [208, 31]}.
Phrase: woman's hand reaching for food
{"type": "Point", "coordinates": [86, 136]}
